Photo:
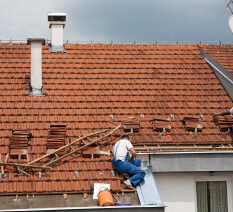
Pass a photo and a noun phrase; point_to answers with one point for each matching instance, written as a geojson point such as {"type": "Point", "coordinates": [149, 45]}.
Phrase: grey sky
{"type": "Point", "coordinates": [119, 20]}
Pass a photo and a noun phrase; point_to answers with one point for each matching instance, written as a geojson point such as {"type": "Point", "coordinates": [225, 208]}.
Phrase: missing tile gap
{"type": "Point", "coordinates": [77, 174]}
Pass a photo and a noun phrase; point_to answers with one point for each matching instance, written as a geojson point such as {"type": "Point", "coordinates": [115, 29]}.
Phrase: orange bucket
{"type": "Point", "coordinates": [105, 198]}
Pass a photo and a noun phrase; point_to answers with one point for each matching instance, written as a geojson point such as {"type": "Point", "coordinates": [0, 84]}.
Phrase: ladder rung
{"type": "Point", "coordinates": [84, 142]}
{"type": "Point", "coordinates": [89, 139]}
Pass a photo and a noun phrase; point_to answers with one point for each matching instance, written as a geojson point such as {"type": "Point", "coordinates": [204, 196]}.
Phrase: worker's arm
{"type": "Point", "coordinates": [227, 112]}
{"type": "Point", "coordinates": [133, 152]}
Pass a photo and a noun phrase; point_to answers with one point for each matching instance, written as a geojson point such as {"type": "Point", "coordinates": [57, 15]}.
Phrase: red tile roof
{"type": "Point", "coordinates": [223, 54]}
{"type": "Point", "coordinates": [87, 84]}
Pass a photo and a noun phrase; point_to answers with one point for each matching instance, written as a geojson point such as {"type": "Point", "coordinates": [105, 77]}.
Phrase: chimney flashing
{"type": "Point", "coordinates": [57, 48]}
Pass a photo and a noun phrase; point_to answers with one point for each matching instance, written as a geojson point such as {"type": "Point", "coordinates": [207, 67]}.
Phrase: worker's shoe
{"type": "Point", "coordinates": [128, 184]}
{"type": "Point", "coordinates": [126, 176]}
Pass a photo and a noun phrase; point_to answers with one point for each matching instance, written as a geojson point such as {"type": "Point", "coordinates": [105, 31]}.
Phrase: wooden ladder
{"type": "Point", "coordinates": [72, 150]}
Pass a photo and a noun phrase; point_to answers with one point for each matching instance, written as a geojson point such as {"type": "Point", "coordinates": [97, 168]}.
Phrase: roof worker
{"type": "Point", "coordinates": [120, 161]}
{"type": "Point", "coordinates": [227, 112]}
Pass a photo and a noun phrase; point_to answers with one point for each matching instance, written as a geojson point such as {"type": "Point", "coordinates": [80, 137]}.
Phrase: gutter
{"type": "Point", "coordinates": [185, 153]}
{"type": "Point", "coordinates": [149, 208]}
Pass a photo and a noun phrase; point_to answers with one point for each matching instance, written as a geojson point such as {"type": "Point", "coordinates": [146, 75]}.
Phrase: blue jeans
{"type": "Point", "coordinates": [130, 168]}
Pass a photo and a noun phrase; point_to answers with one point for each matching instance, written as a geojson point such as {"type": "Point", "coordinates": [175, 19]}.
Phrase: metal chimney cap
{"type": "Point", "coordinates": [56, 14]}
{"type": "Point", "coordinates": [57, 17]}
{"type": "Point", "coordinates": [30, 40]}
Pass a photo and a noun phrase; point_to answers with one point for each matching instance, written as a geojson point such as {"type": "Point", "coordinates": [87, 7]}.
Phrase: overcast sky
{"type": "Point", "coordinates": [120, 20]}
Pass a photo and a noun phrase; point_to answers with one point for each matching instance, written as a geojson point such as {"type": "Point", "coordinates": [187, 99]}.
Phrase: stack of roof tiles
{"type": "Point", "coordinates": [87, 84]}
{"type": "Point", "coordinates": [131, 125]}
{"type": "Point", "coordinates": [192, 123]}
{"type": "Point", "coordinates": [19, 142]}
{"type": "Point", "coordinates": [161, 123]}
{"type": "Point", "coordinates": [223, 122]}
{"type": "Point", "coordinates": [56, 137]}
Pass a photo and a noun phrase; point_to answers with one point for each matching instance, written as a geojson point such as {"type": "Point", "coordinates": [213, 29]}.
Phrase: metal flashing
{"type": "Point", "coordinates": [57, 48]}
{"type": "Point", "coordinates": [223, 75]}
{"type": "Point", "coordinates": [36, 92]}
{"type": "Point", "coordinates": [199, 162]}
{"type": "Point", "coordinates": [181, 153]}
{"type": "Point", "coordinates": [148, 192]}
{"type": "Point", "coordinates": [219, 71]}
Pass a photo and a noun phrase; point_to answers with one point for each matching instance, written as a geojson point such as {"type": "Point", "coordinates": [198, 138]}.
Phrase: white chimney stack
{"type": "Point", "coordinates": [231, 23]}
{"type": "Point", "coordinates": [36, 65]}
{"type": "Point", "coordinates": [57, 23]}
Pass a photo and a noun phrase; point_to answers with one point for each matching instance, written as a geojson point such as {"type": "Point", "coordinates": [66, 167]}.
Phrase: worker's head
{"type": "Point", "coordinates": [124, 136]}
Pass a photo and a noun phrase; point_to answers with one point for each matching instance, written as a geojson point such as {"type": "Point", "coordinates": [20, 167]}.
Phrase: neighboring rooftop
{"type": "Point", "coordinates": [91, 85]}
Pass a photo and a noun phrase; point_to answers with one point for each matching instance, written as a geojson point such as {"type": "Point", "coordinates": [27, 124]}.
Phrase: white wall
{"type": "Point", "coordinates": [178, 190]}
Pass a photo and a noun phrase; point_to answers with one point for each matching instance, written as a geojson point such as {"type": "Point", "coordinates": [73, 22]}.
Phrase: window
{"type": "Point", "coordinates": [212, 196]}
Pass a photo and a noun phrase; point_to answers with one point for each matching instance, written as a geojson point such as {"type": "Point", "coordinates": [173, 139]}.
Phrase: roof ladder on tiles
{"type": "Point", "coordinates": [73, 150]}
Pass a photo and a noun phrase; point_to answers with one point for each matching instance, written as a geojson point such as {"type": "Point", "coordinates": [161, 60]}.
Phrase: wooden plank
{"type": "Point", "coordinates": [2, 169]}
{"type": "Point", "coordinates": [24, 165]}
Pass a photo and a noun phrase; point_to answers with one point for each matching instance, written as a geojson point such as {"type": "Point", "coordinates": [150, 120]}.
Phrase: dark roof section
{"type": "Point", "coordinates": [224, 76]}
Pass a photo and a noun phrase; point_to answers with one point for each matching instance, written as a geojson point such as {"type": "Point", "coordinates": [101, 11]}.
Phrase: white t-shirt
{"type": "Point", "coordinates": [231, 110]}
{"type": "Point", "coordinates": [121, 149]}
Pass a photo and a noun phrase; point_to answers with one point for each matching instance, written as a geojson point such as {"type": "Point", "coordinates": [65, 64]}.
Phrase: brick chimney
{"type": "Point", "coordinates": [57, 24]}
{"type": "Point", "coordinates": [36, 65]}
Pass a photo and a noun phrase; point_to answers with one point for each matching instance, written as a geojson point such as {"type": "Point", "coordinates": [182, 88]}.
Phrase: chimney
{"type": "Point", "coordinates": [36, 65]}
{"type": "Point", "coordinates": [57, 23]}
